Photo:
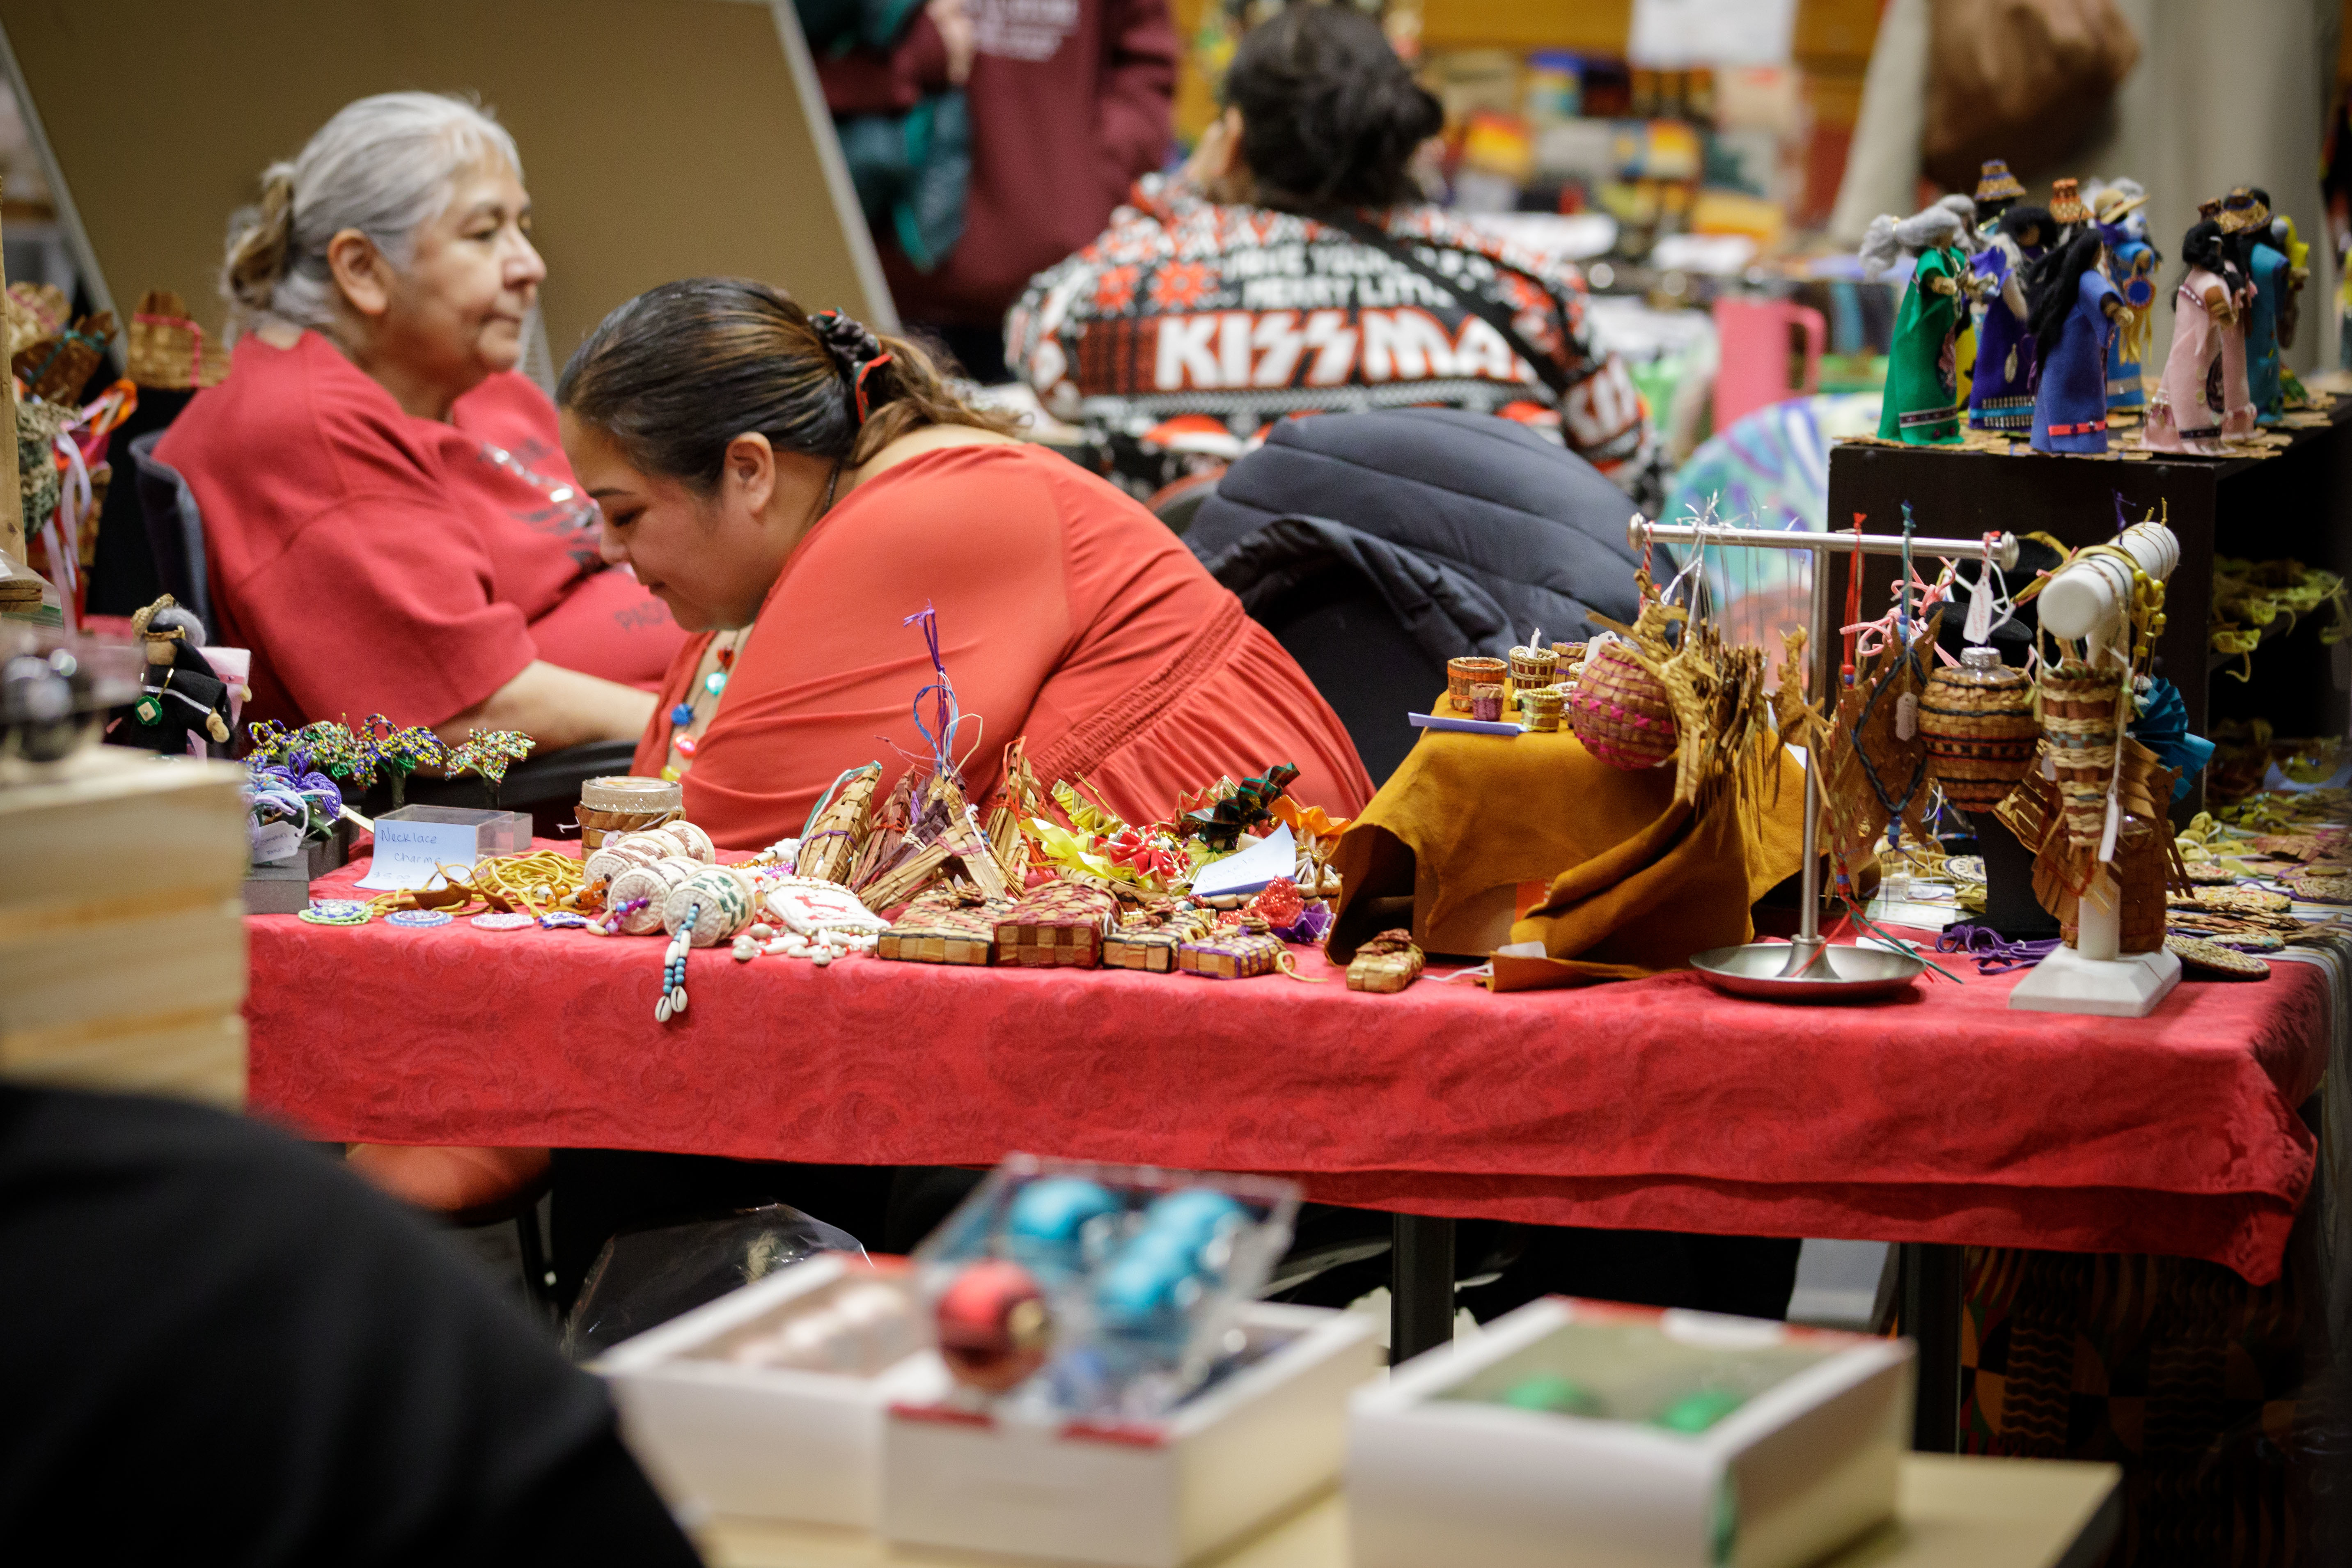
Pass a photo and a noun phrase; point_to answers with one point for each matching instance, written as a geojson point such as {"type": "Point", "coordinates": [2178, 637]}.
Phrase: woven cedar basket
{"type": "Point", "coordinates": [2140, 872]}
{"type": "Point", "coordinates": [1976, 719]}
{"type": "Point", "coordinates": [1533, 666]}
{"type": "Point", "coordinates": [1619, 711]}
{"type": "Point", "coordinates": [1462, 674]}
{"type": "Point", "coordinates": [1486, 702]}
{"type": "Point", "coordinates": [165, 349]}
{"type": "Point", "coordinates": [2078, 715]}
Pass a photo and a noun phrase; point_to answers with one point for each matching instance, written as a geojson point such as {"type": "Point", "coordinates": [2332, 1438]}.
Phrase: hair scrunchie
{"type": "Point", "coordinates": [854, 349]}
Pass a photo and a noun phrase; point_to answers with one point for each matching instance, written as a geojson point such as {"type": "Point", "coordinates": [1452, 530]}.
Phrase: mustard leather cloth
{"type": "Point", "coordinates": [1599, 865]}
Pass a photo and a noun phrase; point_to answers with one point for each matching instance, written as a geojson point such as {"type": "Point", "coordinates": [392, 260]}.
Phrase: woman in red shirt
{"type": "Point", "coordinates": [794, 489]}
{"type": "Point", "coordinates": [390, 523]}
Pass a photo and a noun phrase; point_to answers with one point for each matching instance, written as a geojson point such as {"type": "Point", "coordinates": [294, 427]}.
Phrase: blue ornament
{"type": "Point", "coordinates": [2163, 727]}
{"type": "Point", "coordinates": [1146, 1294]}
{"type": "Point", "coordinates": [1048, 1222]}
{"type": "Point", "coordinates": [682, 715]}
{"type": "Point", "coordinates": [1199, 1215]}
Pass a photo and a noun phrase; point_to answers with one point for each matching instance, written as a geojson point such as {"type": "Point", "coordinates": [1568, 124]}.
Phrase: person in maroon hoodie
{"type": "Point", "coordinates": [1069, 102]}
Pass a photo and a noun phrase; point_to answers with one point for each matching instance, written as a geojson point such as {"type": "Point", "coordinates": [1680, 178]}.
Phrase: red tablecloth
{"type": "Point", "coordinates": [1655, 1104]}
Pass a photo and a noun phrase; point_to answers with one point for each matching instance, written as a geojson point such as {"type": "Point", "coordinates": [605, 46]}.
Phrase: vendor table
{"type": "Point", "coordinates": [1654, 1104]}
{"type": "Point", "coordinates": [1949, 1513]}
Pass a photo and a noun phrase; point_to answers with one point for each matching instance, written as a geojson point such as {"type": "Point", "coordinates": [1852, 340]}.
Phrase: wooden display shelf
{"type": "Point", "coordinates": [2297, 503]}
{"type": "Point", "coordinates": [1950, 1513]}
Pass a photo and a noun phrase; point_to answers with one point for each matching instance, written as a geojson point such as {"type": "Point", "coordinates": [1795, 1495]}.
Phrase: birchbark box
{"type": "Point", "coordinates": [763, 1442]}
{"type": "Point", "coordinates": [1141, 1496]}
{"type": "Point", "coordinates": [1440, 1470]}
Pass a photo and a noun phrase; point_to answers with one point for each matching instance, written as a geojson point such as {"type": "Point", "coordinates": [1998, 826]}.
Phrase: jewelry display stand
{"type": "Point", "coordinates": [1803, 970]}
{"type": "Point", "coordinates": [2089, 599]}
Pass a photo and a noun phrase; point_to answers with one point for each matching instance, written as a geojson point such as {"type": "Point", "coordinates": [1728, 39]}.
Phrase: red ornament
{"type": "Point", "coordinates": [993, 1325]}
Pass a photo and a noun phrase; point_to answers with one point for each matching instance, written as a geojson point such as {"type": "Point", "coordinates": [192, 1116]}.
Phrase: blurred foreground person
{"type": "Point", "coordinates": [223, 1349]}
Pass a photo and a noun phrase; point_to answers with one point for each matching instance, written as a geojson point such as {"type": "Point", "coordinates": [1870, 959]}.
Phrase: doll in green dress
{"type": "Point", "coordinates": [1922, 406]}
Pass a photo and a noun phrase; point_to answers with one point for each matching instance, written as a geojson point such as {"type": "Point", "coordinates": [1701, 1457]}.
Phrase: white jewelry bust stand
{"type": "Point", "coordinates": [2092, 976]}
{"type": "Point", "coordinates": [2087, 599]}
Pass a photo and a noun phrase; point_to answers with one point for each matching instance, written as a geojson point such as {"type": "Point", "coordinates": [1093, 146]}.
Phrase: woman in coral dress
{"type": "Point", "coordinates": [795, 489]}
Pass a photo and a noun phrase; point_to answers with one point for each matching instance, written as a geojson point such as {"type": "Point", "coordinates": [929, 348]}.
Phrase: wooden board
{"type": "Point", "coordinates": [661, 139]}
{"type": "Point", "coordinates": [1950, 1513]}
{"type": "Point", "coordinates": [122, 950]}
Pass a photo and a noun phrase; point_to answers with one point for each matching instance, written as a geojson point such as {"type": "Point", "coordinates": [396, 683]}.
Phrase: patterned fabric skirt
{"type": "Point", "coordinates": [2211, 1393]}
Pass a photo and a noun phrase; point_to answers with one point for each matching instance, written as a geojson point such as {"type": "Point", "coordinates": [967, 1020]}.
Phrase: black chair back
{"type": "Point", "coordinates": [176, 528]}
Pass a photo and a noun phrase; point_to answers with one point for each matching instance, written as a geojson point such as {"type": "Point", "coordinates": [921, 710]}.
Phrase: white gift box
{"type": "Point", "coordinates": [1138, 1496]}
{"type": "Point", "coordinates": [1438, 1471]}
{"type": "Point", "coordinates": [761, 1441]}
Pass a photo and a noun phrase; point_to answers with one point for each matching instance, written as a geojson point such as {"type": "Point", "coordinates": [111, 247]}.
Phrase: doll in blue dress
{"type": "Point", "coordinates": [2132, 262]}
{"type": "Point", "coordinates": [2074, 311]}
{"type": "Point", "coordinates": [2001, 393]}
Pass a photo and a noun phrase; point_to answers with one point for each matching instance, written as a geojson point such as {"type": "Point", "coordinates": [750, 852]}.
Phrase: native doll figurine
{"type": "Point", "coordinates": [2132, 262]}
{"type": "Point", "coordinates": [1922, 400]}
{"type": "Point", "coordinates": [2268, 270]}
{"type": "Point", "coordinates": [2185, 412]}
{"type": "Point", "coordinates": [2074, 307]}
{"type": "Point", "coordinates": [180, 698]}
{"type": "Point", "coordinates": [2238, 216]}
{"type": "Point", "coordinates": [1997, 192]}
{"type": "Point", "coordinates": [2067, 211]}
{"type": "Point", "coordinates": [2000, 392]}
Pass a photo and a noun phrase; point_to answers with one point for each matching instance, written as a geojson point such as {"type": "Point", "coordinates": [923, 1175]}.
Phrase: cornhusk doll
{"type": "Point", "coordinates": [2241, 215]}
{"type": "Point", "coordinates": [2186, 411]}
{"type": "Point", "coordinates": [179, 695]}
{"type": "Point", "coordinates": [2000, 392]}
{"type": "Point", "coordinates": [2067, 211]}
{"type": "Point", "coordinates": [1997, 192]}
{"type": "Point", "coordinates": [2132, 262]}
{"type": "Point", "coordinates": [2074, 310]}
{"type": "Point", "coordinates": [1921, 407]}
{"type": "Point", "coordinates": [2271, 274]}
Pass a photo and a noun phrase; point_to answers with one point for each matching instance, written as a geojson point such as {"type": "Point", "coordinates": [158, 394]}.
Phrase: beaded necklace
{"type": "Point", "coordinates": [683, 715]}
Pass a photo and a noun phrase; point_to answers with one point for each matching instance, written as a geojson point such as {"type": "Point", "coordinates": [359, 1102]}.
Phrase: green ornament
{"type": "Point", "coordinates": [1559, 1396]}
{"type": "Point", "coordinates": [1695, 1412]}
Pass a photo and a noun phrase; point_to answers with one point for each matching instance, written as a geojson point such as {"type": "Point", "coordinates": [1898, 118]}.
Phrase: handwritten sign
{"type": "Point", "coordinates": [407, 854]}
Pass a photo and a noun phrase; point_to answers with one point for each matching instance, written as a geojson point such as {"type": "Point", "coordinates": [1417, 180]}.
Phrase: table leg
{"type": "Point", "coordinates": [1931, 1315]}
{"type": "Point", "coordinates": [1421, 1286]}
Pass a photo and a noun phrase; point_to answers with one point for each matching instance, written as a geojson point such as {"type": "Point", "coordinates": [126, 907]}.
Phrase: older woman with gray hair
{"type": "Point", "coordinates": [391, 525]}
{"type": "Point", "coordinates": [1922, 405]}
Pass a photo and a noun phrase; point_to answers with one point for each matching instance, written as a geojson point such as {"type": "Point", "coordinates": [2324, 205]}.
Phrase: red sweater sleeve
{"type": "Point", "coordinates": [384, 603]}
{"type": "Point", "coordinates": [1139, 91]}
{"type": "Point", "coordinates": [868, 81]}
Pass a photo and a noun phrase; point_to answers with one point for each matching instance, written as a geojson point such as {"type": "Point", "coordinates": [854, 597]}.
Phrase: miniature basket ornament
{"type": "Point", "coordinates": [1978, 721]}
{"type": "Point", "coordinates": [1534, 667]}
{"type": "Point", "coordinates": [1462, 674]}
{"type": "Point", "coordinates": [1619, 711]}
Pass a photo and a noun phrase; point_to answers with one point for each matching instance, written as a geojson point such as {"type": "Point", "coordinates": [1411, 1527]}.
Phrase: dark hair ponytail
{"type": "Point", "coordinates": [2203, 247]}
{"type": "Point", "coordinates": [1331, 117]}
{"type": "Point", "coordinates": [679, 372]}
{"type": "Point", "coordinates": [2052, 285]}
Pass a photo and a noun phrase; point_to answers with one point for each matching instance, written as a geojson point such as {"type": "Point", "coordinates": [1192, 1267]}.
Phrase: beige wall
{"type": "Point", "coordinates": [660, 138]}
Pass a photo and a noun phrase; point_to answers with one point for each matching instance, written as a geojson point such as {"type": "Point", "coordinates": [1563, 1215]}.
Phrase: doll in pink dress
{"type": "Point", "coordinates": [2194, 400]}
